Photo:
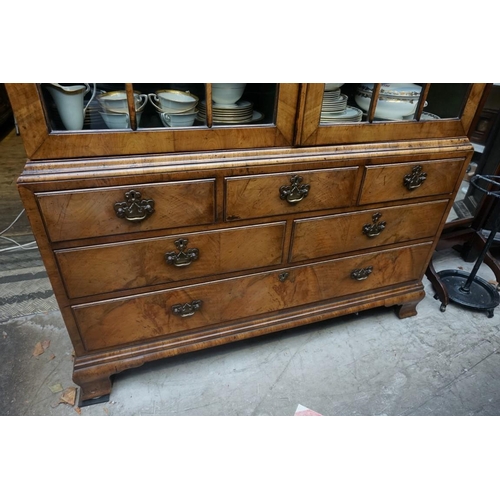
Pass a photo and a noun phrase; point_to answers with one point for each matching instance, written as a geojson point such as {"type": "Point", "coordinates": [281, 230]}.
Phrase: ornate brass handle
{"type": "Point", "coordinates": [415, 179]}
{"type": "Point", "coordinates": [372, 230]}
{"type": "Point", "coordinates": [185, 255]}
{"type": "Point", "coordinates": [134, 208]}
{"type": "Point", "coordinates": [296, 191]}
{"type": "Point", "coordinates": [361, 274]}
{"type": "Point", "coordinates": [187, 309]}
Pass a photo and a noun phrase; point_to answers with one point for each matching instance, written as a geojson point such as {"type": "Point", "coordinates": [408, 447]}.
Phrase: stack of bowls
{"type": "Point", "coordinates": [175, 107]}
{"type": "Point", "coordinates": [114, 108]}
{"type": "Point", "coordinates": [395, 100]}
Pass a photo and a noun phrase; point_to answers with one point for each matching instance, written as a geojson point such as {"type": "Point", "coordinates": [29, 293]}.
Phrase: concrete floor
{"type": "Point", "coordinates": [436, 363]}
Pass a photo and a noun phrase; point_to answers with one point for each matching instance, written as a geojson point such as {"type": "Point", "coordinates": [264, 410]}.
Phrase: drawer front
{"type": "Point", "coordinates": [149, 316]}
{"type": "Point", "coordinates": [409, 180]}
{"type": "Point", "coordinates": [107, 268]}
{"type": "Point", "coordinates": [88, 213]}
{"type": "Point", "coordinates": [277, 194]}
{"type": "Point", "coordinates": [325, 236]}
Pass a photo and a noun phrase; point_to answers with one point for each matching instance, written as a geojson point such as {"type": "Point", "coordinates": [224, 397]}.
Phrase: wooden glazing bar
{"type": "Point", "coordinates": [208, 99]}
{"type": "Point", "coordinates": [131, 105]}
{"type": "Point", "coordinates": [373, 103]}
{"type": "Point", "coordinates": [421, 103]}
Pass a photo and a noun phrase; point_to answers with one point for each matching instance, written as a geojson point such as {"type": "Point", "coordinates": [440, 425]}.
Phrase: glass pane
{"type": "Point", "coordinates": [77, 106]}
{"type": "Point", "coordinates": [350, 102]}
{"type": "Point", "coordinates": [447, 100]}
{"type": "Point", "coordinates": [170, 105]}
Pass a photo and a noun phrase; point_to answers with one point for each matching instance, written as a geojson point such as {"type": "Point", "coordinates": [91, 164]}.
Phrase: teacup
{"type": "Point", "coordinates": [173, 101]}
{"type": "Point", "coordinates": [178, 119]}
{"type": "Point", "coordinates": [116, 101]}
{"type": "Point", "coordinates": [119, 120]}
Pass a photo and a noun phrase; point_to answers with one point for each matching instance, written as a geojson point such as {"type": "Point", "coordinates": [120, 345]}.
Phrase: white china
{"type": "Point", "coordinates": [333, 86]}
{"type": "Point", "coordinates": [227, 93]}
{"type": "Point", "coordinates": [173, 101]}
{"type": "Point", "coordinates": [239, 112]}
{"type": "Point", "coordinates": [119, 120]}
{"type": "Point", "coordinates": [388, 108]}
{"type": "Point", "coordinates": [116, 101]}
{"type": "Point", "coordinates": [349, 115]}
{"type": "Point", "coordinates": [69, 103]}
{"type": "Point", "coordinates": [400, 90]}
{"type": "Point", "coordinates": [178, 119]}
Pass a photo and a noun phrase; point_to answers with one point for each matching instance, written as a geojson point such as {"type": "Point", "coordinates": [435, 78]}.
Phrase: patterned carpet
{"type": "Point", "coordinates": [24, 286]}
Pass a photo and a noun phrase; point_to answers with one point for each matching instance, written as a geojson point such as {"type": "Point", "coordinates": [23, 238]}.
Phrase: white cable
{"type": "Point", "coordinates": [15, 220]}
{"type": "Point", "coordinates": [18, 245]}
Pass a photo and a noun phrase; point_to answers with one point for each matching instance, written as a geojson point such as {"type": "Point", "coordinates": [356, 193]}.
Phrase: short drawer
{"type": "Point", "coordinates": [409, 180]}
{"type": "Point", "coordinates": [107, 268]}
{"type": "Point", "coordinates": [89, 213]}
{"type": "Point", "coordinates": [149, 316]}
{"type": "Point", "coordinates": [321, 237]}
{"type": "Point", "coordinates": [277, 194]}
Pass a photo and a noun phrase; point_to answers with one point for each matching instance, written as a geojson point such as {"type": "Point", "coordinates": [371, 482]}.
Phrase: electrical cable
{"type": "Point", "coordinates": [19, 246]}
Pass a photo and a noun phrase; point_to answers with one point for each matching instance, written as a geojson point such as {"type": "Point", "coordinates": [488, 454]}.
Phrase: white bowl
{"type": "Point", "coordinates": [227, 93]}
{"type": "Point", "coordinates": [332, 86]}
{"type": "Point", "coordinates": [178, 119]}
{"type": "Point", "coordinates": [173, 101]}
{"type": "Point", "coordinates": [387, 108]}
{"type": "Point", "coordinates": [116, 101]}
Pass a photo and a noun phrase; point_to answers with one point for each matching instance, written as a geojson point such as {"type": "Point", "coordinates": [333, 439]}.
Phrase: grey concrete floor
{"type": "Point", "coordinates": [436, 363]}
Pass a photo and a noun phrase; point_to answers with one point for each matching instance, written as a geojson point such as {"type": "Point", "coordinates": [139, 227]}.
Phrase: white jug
{"type": "Point", "coordinates": [69, 103]}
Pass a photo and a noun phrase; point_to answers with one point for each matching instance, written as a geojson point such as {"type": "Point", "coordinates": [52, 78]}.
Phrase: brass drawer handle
{"type": "Point", "coordinates": [188, 309]}
{"type": "Point", "coordinates": [361, 274]}
{"type": "Point", "coordinates": [185, 255]}
{"type": "Point", "coordinates": [134, 208]}
{"type": "Point", "coordinates": [415, 179]}
{"type": "Point", "coordinates": [372, 230]}
{"type": "Point", "coordinates": [296, 191]}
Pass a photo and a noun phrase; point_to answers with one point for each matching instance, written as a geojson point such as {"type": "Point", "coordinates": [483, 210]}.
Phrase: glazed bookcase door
{"type": "Point", "coordinates": [363, 113]}
{"type": "Point", "coordinates": [113, 119]}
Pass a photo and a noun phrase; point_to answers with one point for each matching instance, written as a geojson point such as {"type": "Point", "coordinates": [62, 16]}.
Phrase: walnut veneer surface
{"type": "Point", "coordinates": [223, 255]}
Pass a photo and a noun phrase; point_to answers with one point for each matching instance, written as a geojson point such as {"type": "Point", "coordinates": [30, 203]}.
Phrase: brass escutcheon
{"type": "Point", "coordinates": [296, 191]}
{"type": "Point", "coordinates": [283, 276]}
{"type": "Point", "coordinates": [134, 209]}
{"type": "Point", "coordinates": [188, 309]}
{"type": "Point", "coordinates": [372, 230]}
{"type": "Point", "coordinates": [185, 255]}
{"type": "Point", "coordinates": [415, 179]}
{"type": "Point", "coordinates": [361, 274]}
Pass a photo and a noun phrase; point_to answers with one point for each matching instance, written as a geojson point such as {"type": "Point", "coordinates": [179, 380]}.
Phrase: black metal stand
{"type": "Point", "coordinates": [467, 289]}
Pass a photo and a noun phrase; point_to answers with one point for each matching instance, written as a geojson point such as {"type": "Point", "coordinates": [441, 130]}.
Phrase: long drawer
{"type": "Point", "coordinates": [122, 321]}
{"type": "Point", "coordinates": [252, 196]}
{"type": "Point", "coordinates": [321, 237]}
{"type": "Point", "coordinates": [409, 180]}
{"type": "Point", "coordinates": [107, 268]}
{"type": "Point", "coordinates": [87, 213]}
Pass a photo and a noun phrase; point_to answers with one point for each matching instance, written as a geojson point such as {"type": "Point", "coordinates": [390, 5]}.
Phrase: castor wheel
{"type": "Point", "coordinates": [442, 308]}
{"type": "Point", "coordinates": [436, 296]}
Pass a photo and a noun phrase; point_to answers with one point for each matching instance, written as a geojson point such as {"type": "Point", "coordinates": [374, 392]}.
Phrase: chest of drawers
{"type": "Point", "coordinates": [152, 258]}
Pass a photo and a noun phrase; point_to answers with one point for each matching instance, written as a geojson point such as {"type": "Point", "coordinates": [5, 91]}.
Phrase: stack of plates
{"type": "Point", "coordinates": [240, 112]}
{"type": "Point", "coordinates": [349, 115]}
{"type": "Point", "coordinates": [334, 102]}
